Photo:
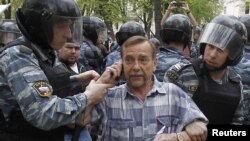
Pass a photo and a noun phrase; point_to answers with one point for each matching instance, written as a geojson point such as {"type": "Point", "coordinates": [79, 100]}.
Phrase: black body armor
{"type": "Point", "coordinates": [217, 102]}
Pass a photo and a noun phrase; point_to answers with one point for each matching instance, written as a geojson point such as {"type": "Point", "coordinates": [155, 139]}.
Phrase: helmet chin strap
{"type": "Point", "coordinates": [214, 69]}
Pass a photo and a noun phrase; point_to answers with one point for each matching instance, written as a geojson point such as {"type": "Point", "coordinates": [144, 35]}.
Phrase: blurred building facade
{"type": "Point", "coordinates": [236, 7]}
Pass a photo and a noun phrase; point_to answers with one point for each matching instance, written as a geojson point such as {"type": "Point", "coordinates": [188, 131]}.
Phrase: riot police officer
{"type": "Point", "coordinates": [8, 31]}
{"type": "Point", "coordinates": [127, 30]}
{"type": "Point", "coordinates": [243, 69]}
{"type": "Point", "coordinates": [176, 36]}
{"type": "Point", "coordinates": [34, 87]}
{"type": "Point", "coordinates": [214, 86]}
{"type": "Point", "coordinates": [95, 34]}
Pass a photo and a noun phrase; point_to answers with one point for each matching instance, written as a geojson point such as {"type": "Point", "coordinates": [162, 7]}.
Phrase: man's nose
{"type": "Point", "coordinates": [136, 65]}
{"type": "Point", "coordinates": [213, 52]}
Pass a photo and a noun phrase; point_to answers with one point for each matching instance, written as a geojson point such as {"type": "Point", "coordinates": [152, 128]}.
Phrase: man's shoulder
{"type": "Point", "coordinates": [234, 75]}
{"type": "Point", "coordinates": [113, 54]}
{"type": "Point", "coordinates": [245, 62]}
{"type": "Point", "coordinates": [18, 51]}
{"type": "Point", "coordinates": [183, 75]}
{"type": "Point", "coordinates": [175, 70]}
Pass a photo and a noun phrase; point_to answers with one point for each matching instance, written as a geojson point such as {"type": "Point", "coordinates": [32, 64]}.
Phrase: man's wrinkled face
{"type": "Point", "coordinates": [138, 64]}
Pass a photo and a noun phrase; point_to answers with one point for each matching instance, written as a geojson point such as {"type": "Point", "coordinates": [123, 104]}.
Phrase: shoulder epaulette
{"type": "Point", "coordinates": [172, 73]}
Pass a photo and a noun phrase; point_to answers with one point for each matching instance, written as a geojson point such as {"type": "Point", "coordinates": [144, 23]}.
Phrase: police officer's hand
{"type": "Point", "coordinates": [85, 77]}
{"type": "Point", "coordinates": [197, 131]}
{"type": "Point", "coordinates": [111, 74]}
{"type": "Point", "coordinates": [95, 91]}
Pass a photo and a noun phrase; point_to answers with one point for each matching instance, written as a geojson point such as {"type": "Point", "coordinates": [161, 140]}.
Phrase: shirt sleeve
{"type": "Point", "coordinates": [190, 111]}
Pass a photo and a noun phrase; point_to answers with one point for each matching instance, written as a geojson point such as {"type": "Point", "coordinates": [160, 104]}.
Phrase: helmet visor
{"type": "Point", "coordinates": [65, 29]}
{"type": "Point", "coordinates": [222, 37]}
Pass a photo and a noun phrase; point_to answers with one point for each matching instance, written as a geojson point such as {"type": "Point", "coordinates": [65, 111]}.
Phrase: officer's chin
{"type": "Point", "coordinates": [212, 68]}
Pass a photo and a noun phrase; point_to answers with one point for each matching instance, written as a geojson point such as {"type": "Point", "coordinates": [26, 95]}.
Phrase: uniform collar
{"type": "Point", "coordinates": [167, 48]}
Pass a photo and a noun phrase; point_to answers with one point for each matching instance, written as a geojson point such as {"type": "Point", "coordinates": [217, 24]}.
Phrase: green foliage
{"type": "Point", "coordinates": [119, 11]}
{"type": "Point", "coordinates": [110, 10]}
{"type": "Point", "coordinates": [202, 10]}
{"type": "Point", "coordinates": [142, 7]}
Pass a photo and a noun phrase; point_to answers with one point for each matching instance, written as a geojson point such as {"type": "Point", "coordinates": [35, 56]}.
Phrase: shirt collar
{"type": "Point", "coordinates": [157, 89]}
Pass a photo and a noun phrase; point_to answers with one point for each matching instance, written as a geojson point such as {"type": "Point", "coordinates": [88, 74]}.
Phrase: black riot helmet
{"type": "Point", "coordinates": [127, 30]}
{"type": "Point", "coordinates": [246, 21]}
{"type": "Point", "coordinates": [155, 42]}
{"type": "Point", "coordinates": [176, 28]}
{"type": "Point", "coordinates": [94, 29]}
{"type": "Point", "coordinates": [37, 19]}
{"type": "Point", "coordinates": [8, 31]}
{"type": "Point", "coordinates": [225, 32]}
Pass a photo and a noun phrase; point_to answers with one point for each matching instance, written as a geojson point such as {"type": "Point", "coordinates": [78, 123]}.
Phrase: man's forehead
{"type": "Point", "coordinates": [72, 45]}
{"type": "Point", "coordinates": [136, 53]}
